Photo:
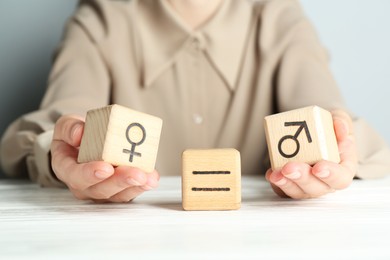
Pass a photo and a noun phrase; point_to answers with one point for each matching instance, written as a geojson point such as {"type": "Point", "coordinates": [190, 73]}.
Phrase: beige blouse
{"type": "Point", "coordinates": [212, 87]}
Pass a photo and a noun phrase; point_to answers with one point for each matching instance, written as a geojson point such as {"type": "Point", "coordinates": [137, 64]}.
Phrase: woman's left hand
{"type": "Point", "coordinates": [301, 181]}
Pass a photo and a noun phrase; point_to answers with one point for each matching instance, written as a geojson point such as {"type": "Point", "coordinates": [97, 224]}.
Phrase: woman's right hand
{"type": "Point", "coordinates": [97, 180]}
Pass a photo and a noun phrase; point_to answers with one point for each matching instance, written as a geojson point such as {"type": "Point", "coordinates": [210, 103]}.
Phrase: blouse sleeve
{"type": "Point", "coordinates": [79, 80]}
{"type": "Point", "coordinates": [303, 78]}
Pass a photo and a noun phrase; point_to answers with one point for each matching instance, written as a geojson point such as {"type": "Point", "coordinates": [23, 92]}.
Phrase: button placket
{"type": "Point", "coordinates": [195, 47]}
{"type": "Point", "coordinates": [196, 44]}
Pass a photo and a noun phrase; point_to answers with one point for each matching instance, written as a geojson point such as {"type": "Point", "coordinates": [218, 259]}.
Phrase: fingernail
{"type": "Point", "coordinates": [102, 174]}
{"type": "Point", "coordinates": [153, 183]}
{"type": "Point", "coordinates": [147, 187]}
{"type": "Point", "coordinates": [345, 125]}
{"type": "Point", "coordinates": [75, 129]}
{"type": "Point", "coordinates": [293, 175]}
{"type": "Point", "coordinates": [133, 182]}
{"type": "Point", "coordinates": [281, 182]}
{"type": "Point", "coordinates": [323, 174]}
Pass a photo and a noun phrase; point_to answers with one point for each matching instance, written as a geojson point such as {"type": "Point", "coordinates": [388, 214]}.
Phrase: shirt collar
{"type": "Point", "coordinates": [163, 35]}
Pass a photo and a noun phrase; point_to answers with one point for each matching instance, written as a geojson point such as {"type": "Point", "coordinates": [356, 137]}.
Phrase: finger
{"type": "Point", "coordinates": [300, 174]}
{"type": "Point", "coordinates": [348, 150]}
{"type": "Point", "coordinates": [345, 141]}
{"type": "Point", "coordinates": [123, 178]}
{"type": "Point", "coordinates": [337, 176]}
{"type": "Point", "coordinates": [348, 158]}
{"type": "Point", "coordinates": [340, 128]}
{"type": "Point", "coordinates": [131, 193]}
{"type": "Point", "coordinates": [79, 194]}
{"type": "Point", "coordinates": [276, 189]}
{"type": "Point", "coordinates": [276, 180]}
{"type": "Point", "coordinates": [127, 195]}
{"type": "Point", "coordinates": [156, 175]}
{"type": "Point", "coordinates": [268, 174]}
{"type": "Point", "coordinates": [285, 187]}
{"type": "Point", "coordinates": [343, 124]}
{"type": "Point", "coordinates": [69, 129]}
{"type": "Point", "coordinates": [152, 181]}
{"type": "Point", "coordinates": [345, 117]}
{"type": "Point", "coordinates": [77, 176]}
{"type": "Point", "coordinates": [83, 176]}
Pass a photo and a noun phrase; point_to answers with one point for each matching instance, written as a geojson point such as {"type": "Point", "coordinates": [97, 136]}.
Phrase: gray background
{"type": "Point", "coordinates": [356, 32]}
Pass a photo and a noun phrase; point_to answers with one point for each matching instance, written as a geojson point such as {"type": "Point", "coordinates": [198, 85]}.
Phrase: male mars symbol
{"type": "Point", "coordinates": [302, 135]}
{"type": "Point", "coordinates": [302, 125]}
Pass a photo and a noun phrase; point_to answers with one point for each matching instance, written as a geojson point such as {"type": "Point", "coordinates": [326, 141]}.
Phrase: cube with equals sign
{"type": "Point", "coordinates": [211, 179]}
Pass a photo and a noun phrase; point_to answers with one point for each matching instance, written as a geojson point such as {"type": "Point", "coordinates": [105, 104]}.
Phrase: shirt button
{"type": "Point", "coordinates": [198, 119]}
{"type": "Point", "coordinates": [196, 43]}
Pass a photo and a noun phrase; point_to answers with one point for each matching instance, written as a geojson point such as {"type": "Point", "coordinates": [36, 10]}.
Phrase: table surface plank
{"type": "Point", "coordinates": [48, 222]}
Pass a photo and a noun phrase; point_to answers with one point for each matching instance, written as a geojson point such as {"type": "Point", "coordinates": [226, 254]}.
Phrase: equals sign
{"type": "Point", "coordinates": [206, 173]}
{"type": "Point", "coordinates": [211, 172]}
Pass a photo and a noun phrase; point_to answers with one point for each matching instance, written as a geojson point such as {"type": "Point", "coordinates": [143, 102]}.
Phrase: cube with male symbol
{"type": "Point", "coordinates": [302, 135]}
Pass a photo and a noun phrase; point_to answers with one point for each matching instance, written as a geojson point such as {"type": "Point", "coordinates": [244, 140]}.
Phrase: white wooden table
{"type": "Point", "coordinates": [51, 224]}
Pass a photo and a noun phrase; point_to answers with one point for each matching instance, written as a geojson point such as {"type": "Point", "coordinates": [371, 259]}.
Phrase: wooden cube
{"type": "Point", "coordinates": [211, 179]}
{"type": "Point", "coordinates": [121, 136]}
{"type": "Point", "coordinates": [303, 135]}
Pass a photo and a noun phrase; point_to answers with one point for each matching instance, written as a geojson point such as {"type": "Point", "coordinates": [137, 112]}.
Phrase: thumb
{"type": "Point", "coordinates": [69, 129]}
{"type": "Point", "coordinates": [342, 124]}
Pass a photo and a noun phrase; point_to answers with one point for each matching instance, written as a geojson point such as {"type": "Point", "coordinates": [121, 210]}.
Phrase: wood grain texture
{"type": "Point", "coordinates": [94, 137]}
{"type": "Point", "coordinates": [304, 135]}
{"type": "Point", "coordinates": [49, 223]}
{"type": "Point", "coordinates": [211, 179]}
{"type": "Point", "coordinates": [121, 136]}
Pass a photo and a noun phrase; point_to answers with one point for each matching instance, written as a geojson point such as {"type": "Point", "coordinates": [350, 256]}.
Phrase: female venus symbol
{"type": "Point", "coordinates": [133, 144]}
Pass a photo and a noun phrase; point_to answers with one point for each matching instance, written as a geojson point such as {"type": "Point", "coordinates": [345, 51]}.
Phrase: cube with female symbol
{"type": "Point", "coordinates": [121, 136]}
